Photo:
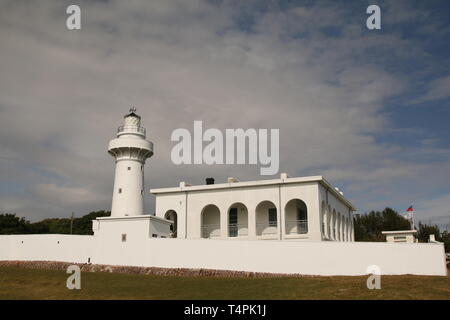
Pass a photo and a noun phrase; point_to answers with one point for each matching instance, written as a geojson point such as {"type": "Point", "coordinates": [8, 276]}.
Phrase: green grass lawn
{"type": "Point", "coordinates": [21, 283]}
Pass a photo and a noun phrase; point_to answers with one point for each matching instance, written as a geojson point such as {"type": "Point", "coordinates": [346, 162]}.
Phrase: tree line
{"type": "Point", "coordinates": [11, 224]}
{"type": "Point", "coordinates": [368, 227]}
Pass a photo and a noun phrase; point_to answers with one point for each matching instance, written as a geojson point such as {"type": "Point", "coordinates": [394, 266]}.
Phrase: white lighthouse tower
{"type": "Point", "coordinates": [130, 150]}
{"type": "Point", "coordinates": [128, 224]}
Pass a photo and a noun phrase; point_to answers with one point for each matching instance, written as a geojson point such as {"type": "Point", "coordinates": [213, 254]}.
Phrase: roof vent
{"type": "Point", "coordinates": [339, 191]}
{"type": "Point", "coordinates": [284, 176]}
{"type": "Point", "coordinates": [184, 184]}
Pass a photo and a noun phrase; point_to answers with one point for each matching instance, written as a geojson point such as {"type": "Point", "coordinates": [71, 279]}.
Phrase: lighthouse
{"type": "Point", "coordinates": [130, 149]}
{"type": "Point", "coordinates": [128, 225]}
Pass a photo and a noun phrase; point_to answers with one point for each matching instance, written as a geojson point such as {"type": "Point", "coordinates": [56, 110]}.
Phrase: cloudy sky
{"type": "Point", "coordinates": [369, 110]}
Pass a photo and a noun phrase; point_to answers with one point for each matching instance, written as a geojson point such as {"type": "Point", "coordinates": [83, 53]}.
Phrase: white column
{"type": "Point", "coordinates": [333, 226]}
{"type": "Point", "coordinates": [330, 221]}
{"type": "Point", "coordinates": [223, 222]}
{"type": "Point", "coordinates": [128, 196]}
{"type": "Point", "coordinates": [337, 227]}
{"type": "Point", "coordinates": [348, 230]}
{"type": "Point", "coordinates": [251, 211]}
{"type": "Point", "coordinates": [344, 231]}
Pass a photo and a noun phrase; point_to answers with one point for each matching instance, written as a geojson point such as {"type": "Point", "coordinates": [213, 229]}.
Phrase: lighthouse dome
{"type": "Point", "coordinates": [132, 119]}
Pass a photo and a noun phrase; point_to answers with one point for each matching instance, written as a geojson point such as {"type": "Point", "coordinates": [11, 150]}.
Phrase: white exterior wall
{"type": "Point", "coordinates": [109, 248]}
{"type": "Point", "coordinates": [297, 257]}
{"type": "Point", "coordinates": [177, 203]}
{"type": "Point", "coordinates": [188, 203]}
{"type": "Point", "coordinates": [49, 247]}
{"type": "Point", "coordinates": [286, 257]}
{"type": "Point", "coordinates": [136, 228]}
{"type": "Point", "coordinates": [309, 194]}
{"type": "Point", "coordinates": [6, 246]}
{"type": "Point", "coordinates": [331, 209]}
{"type": "Point", "coordinates": [130, 201]}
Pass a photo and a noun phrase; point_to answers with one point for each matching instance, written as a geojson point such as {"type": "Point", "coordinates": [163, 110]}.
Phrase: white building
{"type": "Point", "coordinates": [401, 236]}
{"type": "Point", "coordinates": [130, 149]}
{"type": "Point", "coordinates": [307, 226]}
{"type": "Point", "coordinates": [307, 209]}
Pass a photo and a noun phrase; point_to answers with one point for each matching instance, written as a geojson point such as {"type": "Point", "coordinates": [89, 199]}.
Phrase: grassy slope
{"type": "Point", "coordinates": [20, 283]}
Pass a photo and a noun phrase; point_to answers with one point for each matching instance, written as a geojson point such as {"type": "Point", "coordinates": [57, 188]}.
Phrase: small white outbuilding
{"type": "Point", "coordinates": [408, 236]}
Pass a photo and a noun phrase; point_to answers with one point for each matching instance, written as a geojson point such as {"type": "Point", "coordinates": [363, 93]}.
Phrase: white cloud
{"type": "Point", "coordinates": [438, 89]}
{"type": "Point", "coordinates": [435, 211]}
{"type": "Point", "coordinates": [64, 195]}
{"type": "Point", "coordinates": [63, 93]}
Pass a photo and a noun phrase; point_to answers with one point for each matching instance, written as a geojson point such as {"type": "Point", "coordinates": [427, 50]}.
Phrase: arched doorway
{"type": "Point", "coordinates": [296, 217]}
{"type": "Point", "coordinates": [266, 219]}
{"type": "Point", "coordinates": [210, 222]}
{"type": "Point", "coordinates": [172, 216]}
{"type": "Point", "coordinates": [237, 220]}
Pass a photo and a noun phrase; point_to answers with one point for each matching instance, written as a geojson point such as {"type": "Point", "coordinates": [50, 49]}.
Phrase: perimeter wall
{"type": "Point", "coordinates": [309, 258]}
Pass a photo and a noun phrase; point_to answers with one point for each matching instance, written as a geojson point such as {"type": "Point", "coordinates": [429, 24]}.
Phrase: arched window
{"type": "Point", "coordinates": [266, 219]}
{"type": "Point", "coordinates": [296, 217]}
{"type": "Point", "coordinates": [210, 222]}
{"type": "Point", "coordinates": [172, 216]}
{"type": "Point", "coordinates": [237, 220]}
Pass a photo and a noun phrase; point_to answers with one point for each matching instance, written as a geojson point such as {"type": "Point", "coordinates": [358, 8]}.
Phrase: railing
{"type": "Point", "coordinates": [211, 230]}
{"type": "Point", "coordinates": [266, 228]}
{"type": "Point", "coordinates": [297, 227]}
{"type": "Point", "coordinates": [131, 129]}
{"type": "Point", "coordinates": [237, 230]}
